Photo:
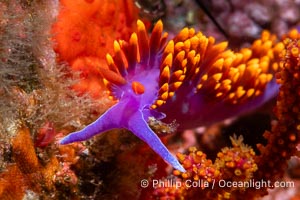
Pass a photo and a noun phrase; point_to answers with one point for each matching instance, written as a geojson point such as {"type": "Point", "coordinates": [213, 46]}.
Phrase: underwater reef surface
{"type": "Point", "coordinates": [156, 99]}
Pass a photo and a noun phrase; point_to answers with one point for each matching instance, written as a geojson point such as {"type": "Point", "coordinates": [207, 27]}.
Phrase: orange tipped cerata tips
{"type": "Point", "coordinates": [143, 42]}
{"type": "Point", "coordinates": [191, 57]}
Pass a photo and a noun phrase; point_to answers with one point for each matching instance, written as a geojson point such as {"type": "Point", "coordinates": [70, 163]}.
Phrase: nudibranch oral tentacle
{"type": "Point", "coordinates": [202, 80]}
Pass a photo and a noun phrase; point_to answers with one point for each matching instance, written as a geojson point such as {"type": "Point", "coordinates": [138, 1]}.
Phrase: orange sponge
{"type": "Point", "coordinates": [90, 78]}
{"type": "Point", "coordinates": [88, 28]}
{"type": "Point", "coordinates": [84, 33]}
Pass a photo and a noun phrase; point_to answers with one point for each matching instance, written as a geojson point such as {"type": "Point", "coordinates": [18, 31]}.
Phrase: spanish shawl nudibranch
{"type": "Point", "coordinates": [188, 78]}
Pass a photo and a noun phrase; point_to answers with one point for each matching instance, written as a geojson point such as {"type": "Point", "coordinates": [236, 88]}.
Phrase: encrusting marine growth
{"type": "Point", "coordinates": [84, 33]}
{"type": "Point", "coordinates": [151, 78]}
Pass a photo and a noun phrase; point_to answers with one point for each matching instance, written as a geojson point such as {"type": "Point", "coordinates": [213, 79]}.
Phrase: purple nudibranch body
{"type": "Point", "coordinates": [188, 79]}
